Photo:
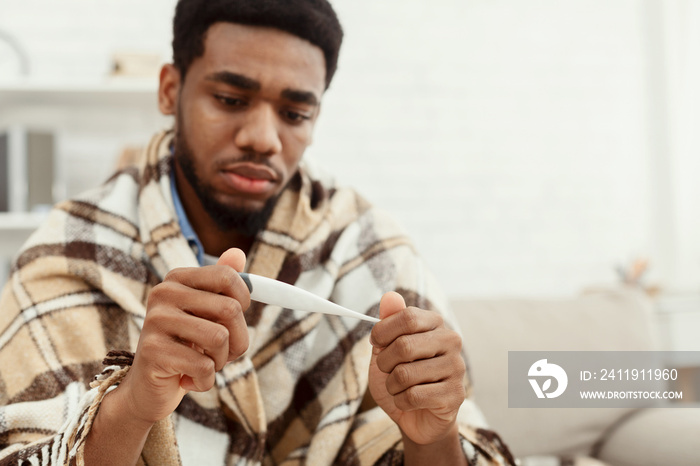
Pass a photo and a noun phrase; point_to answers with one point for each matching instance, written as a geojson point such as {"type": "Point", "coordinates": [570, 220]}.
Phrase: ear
{"type": "Point", "coordinates": [169, 89]}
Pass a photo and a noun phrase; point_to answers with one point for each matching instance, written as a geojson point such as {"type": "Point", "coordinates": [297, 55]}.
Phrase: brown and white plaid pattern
{"type": "Point", "coordinates": [298, 396]}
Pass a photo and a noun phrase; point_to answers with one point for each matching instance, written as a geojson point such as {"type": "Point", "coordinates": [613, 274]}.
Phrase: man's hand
{"type": "Point", "coordinates": [194, 325]}
{"type": "Point", "coordinates": [416, 372]}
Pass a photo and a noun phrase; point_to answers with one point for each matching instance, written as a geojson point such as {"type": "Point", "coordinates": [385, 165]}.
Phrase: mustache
{"type": "Point", "coordinates": [246, 157]}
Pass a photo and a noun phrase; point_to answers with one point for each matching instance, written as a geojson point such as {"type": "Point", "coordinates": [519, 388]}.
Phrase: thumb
{"type": "Point", "coordinates": [390, 304]}
{"type": "Point", "coordinates": [234, 258]}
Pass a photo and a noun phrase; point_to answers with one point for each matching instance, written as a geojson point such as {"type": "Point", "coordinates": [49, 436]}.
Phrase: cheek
{"type": "Point", "coordinates": [295, 143]}
{"type": "Point", "coordinates": [206, 130]}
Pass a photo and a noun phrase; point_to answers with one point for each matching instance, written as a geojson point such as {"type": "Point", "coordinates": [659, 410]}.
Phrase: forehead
{"type": "Point", "coordinates": [268, 55]}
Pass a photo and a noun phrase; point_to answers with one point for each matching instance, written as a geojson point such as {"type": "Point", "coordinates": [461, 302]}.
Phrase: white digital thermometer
{"type": "Point", "coordinates": [269, 291]}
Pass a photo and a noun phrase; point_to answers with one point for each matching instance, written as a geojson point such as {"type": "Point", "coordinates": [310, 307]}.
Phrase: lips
{"type": "Point", "coordinates": [250, 178]}
{"type": "Point", "coordinates": [253, 171]}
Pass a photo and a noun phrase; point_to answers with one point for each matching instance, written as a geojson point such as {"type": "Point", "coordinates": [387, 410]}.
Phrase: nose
{"type": "Point", "coordinates": [259, 132]}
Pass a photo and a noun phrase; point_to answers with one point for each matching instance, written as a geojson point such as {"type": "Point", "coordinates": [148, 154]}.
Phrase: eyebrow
{"type": "Point", "coordinates": [300, 97]}
{"type": "Point", "coordinates": [249, 84]}
{"type": "Point", "coordinates": [235, 80]}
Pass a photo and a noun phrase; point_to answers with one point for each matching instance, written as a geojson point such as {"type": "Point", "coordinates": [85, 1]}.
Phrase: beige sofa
{"type": "Point", "coordinates": [604, 321]}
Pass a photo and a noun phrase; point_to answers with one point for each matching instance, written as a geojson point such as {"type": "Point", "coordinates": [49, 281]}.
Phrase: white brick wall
{"type": "Point", "coordinates": [75, 38]}
{"type": "Point", "coordinates": [514, 140]}
{"type": "Point", "coordinates": [515, 133]}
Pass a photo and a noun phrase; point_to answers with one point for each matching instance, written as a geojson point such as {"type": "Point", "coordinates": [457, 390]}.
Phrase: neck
{"type": "Point", "coordinates": [213, 239]}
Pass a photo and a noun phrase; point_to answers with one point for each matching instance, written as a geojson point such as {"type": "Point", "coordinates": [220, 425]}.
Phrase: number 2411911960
{"type": "Point", "coordinates": [638, 374]}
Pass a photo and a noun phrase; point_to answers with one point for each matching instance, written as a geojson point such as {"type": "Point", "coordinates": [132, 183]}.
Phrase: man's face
{"type": "Point", "coordinates": [244, 116]}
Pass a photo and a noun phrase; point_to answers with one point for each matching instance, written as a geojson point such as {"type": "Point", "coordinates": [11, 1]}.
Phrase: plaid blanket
{"type": "Point", "coordinates": [299, 395]}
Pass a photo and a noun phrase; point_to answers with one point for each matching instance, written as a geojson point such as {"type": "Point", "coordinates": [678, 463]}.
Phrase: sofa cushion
{"type": "Point", "coordinates": [603, 321]}
{"type": "Point", "coordinates": [655, 436]}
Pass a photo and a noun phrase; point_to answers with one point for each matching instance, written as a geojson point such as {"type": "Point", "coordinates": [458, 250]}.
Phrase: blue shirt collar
{"type": "Point", "coordinates": [185, 225]}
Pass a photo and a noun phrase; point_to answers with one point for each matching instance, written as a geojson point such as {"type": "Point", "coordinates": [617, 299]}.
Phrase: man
{"type": "Point", "coordinates": [149, 263]}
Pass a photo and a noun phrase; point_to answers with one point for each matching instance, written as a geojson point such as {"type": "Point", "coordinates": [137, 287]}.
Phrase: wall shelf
{"type": "Point", "coordinates": [87, 117]}
{"type": "Point", "coordinates": [15, 228]}
{"type": "Point", "coordinates": [109, 91]}
{"type": "Point", "coordinates": [21, 222]}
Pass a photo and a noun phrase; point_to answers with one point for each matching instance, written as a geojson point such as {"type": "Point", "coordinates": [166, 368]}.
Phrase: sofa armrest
{"type": "Point", "coordinates": [655, 436]}
{"type": "Point", "coordinates": [609, 321]}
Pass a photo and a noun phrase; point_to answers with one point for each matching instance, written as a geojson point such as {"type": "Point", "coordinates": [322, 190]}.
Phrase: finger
{"type": "Point", "coordinates": [426, 345]}
{"type": "Point", "coordinates": [216, 308]}
{"type": "Point", "coordinates": [234, 258]}
{"type": "Point", "coordinates": [204, 304]}
{"type": "Point", "coordinates": [390, 304]}
{"type": "Point", "coordinates": [441, 398]}
{"type": "Point", "coordinates": [212, 338]}
{"type": "Point", "coordinates": [218, 279]}
{"type": "Point", "coordinates": [405, 376]}
{"type": "Point", "coordinates": [404, 322]}
{"type": "Point", "coordinates": [185, 361]}
{"type": "Point", "coordinates": [200, 384]}
{"type": "Point", "coordinates": [228, 312]}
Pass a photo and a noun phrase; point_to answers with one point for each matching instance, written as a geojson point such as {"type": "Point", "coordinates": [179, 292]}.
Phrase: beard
{"type": "Point", "coordinates": [247, 222]}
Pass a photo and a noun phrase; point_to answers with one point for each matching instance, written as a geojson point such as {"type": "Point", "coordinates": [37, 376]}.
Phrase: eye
{"type": "Point", "coordinates": [294, 117]}
{"type": "Point", "coordinates": [230, 101]}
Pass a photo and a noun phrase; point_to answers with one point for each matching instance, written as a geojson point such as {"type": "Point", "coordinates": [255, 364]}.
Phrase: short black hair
{"type": "Point", "coordinates": [311, 20]}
